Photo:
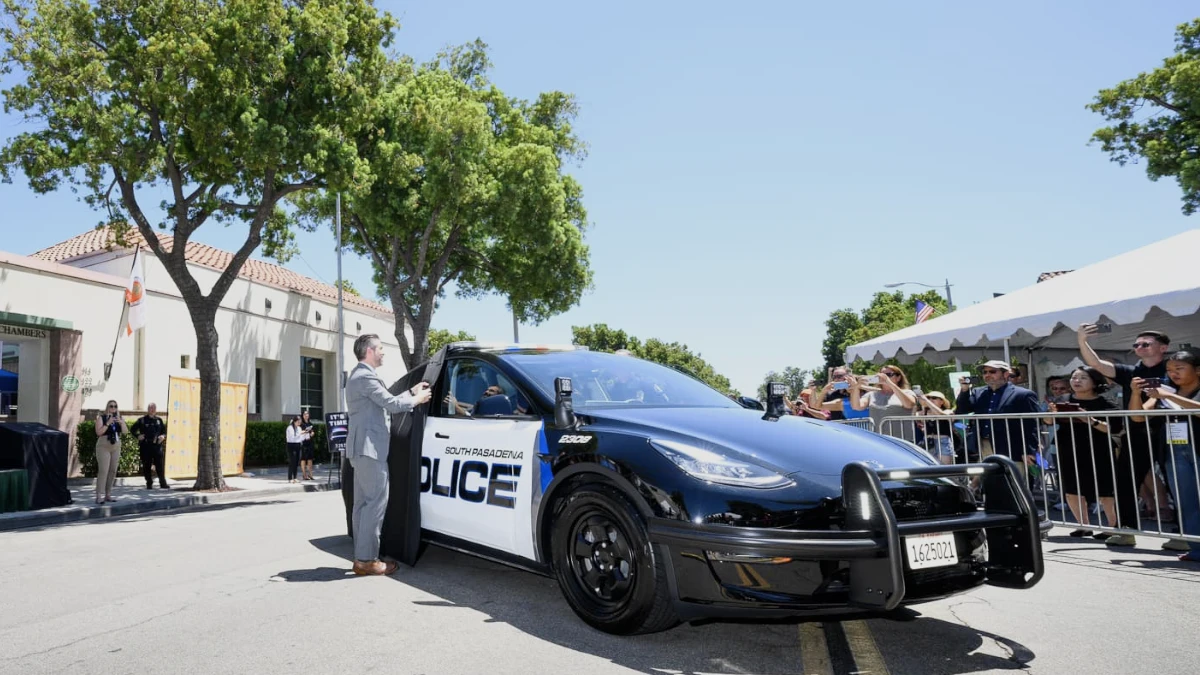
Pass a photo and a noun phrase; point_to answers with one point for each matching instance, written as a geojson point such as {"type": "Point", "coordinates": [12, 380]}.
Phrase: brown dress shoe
{"type": "Point", "coordinates": [374, 568]}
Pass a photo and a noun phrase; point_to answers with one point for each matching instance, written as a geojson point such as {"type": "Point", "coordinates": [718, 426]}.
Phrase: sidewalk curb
{"type": "Point", "coordinates": [64, 515]}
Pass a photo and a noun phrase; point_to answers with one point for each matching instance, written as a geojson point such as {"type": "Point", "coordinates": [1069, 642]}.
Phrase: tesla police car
{"type": "Point", "coordinates": [652, 498]}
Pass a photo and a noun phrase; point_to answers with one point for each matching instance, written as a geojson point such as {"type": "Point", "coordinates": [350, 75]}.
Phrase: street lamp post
{"type": "Point", "coordinates": [949, 300]}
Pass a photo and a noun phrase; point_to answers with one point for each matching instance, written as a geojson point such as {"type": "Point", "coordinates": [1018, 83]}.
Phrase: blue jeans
{"type": "Point", "coordinates": [1187, 498]}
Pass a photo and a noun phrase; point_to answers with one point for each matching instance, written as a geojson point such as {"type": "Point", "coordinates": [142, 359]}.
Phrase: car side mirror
{"type": "Point", "coordinates": [564, 410]}
{"type": "Point", "coordinates": [776, 391]}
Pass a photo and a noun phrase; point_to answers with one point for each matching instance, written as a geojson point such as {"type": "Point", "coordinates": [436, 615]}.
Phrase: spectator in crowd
{"type": "Point", "coordinates": [1085, 452]}
{"type": "Point", "coordinates": [307, 447]}
{"type": "Point", "coordinates": [833, 396]}
{"type": "Point", "coordinates": [894, 398]}
{"type": "Point", "coordinates": [109, 428]}
{"type": "Point", "coordinates": [1134, 467]}
{"type": "Point", "coordinates": [1015, 439]}
{"type": "Point", "coordinates": [151, 434]}
{"type": "Point", "coordinates": [939, 434]}
{"type": "Point", "coordinates": [1183, 369]}
{"type": "Point", "coordinates": [1018, 376]}
{"type": "Point", "coordinates": [802, 408]}
{"type": "Point", "coordinates": [295, 441]}
{"type": "Point", "coordinates": [1058, 388]}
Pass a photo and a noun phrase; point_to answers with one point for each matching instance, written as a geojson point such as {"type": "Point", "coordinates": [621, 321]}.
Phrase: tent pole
{"type": "Point", "coordinates": [1007, 358]}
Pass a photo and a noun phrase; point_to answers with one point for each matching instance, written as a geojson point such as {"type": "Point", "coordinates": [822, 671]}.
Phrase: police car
{"type": "Point", "coordinates": [653, 499]}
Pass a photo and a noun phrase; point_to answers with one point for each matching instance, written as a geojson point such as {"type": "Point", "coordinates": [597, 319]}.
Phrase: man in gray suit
{"type": "Point", "coordinates": [369, 407]}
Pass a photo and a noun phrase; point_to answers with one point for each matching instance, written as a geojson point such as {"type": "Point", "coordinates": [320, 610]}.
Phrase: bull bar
{"type": "Point", "coordinates": [1009, 518]}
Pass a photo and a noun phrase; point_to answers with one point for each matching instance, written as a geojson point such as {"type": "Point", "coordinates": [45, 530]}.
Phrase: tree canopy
{"type": "Point", "coordinates": [1155, 117]}
{"type": "Point", "coordinates": [440, 337]}
{"type": "Point", "coordinates": [599, 337]}
{"type": "Point", "coordinates": [227, 107]}
{"type": "Point", "coordinates": [471, 190]}
{"type": "Point", "coordinates": [795, 379]}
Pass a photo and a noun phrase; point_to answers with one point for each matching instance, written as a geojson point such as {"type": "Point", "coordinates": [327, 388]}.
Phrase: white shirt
{"type": "Point", "coordinates": [295, 434]}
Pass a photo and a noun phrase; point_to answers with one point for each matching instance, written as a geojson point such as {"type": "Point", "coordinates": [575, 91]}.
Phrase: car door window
{"type": "Point", "coordinates": [470, 381]}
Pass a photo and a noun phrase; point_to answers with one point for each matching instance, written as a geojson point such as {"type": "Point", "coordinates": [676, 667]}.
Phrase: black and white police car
{"type": "Point", "coordinates": [652, 498]}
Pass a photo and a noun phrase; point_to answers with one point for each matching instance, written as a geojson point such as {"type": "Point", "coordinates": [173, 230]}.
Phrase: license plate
{"type": "Point", "coordinates": [930, 550]}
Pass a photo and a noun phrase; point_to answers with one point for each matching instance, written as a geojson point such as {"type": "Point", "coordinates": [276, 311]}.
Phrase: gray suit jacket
{"type": "Point", "coordinates": [369, 406]}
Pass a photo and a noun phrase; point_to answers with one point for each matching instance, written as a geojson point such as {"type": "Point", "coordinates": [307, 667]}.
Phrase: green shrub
{"type": "Point", "coordinates": [85, 445]}
{"type": "Point", "coordinates": [266, 445]}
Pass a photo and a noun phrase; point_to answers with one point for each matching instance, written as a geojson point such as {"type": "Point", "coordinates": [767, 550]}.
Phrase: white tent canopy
{"type": "Point", "coordinates": [1156, 287]}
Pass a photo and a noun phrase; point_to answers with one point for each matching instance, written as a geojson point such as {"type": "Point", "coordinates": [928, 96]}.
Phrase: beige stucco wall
{"type": "Point", "coordinates": [91, 299]}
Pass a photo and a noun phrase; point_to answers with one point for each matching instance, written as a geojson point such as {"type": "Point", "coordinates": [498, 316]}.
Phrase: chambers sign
{"type": "Point", "coordinates": [22, 331]}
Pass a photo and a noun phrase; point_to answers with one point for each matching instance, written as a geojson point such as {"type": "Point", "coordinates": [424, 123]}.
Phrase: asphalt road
{"type": "Point", "coordinates": [264, 587]}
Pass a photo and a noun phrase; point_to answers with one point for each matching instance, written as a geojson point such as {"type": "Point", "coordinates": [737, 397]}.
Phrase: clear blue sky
{"type": "Point", "coordinates": [752, 169]}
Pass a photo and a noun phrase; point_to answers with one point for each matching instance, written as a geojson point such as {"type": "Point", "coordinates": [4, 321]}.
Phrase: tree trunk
{"type": "Point", "coordinates": [208, 465]}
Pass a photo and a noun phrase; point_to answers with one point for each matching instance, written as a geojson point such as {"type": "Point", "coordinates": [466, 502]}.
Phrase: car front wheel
{"type": "Point", "coordinates": [605, 564]}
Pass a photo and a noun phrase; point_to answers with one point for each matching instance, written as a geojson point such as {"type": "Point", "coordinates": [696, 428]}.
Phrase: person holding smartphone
{"type": "Point", "coordinates": [1134, 468]}
{"type": "Point", "coordinates": [832, 397]}
{"type": "Point", "coordinates": [893, 398]}
{"type": "Point", "coordinates": [1015, 439]}
{"type": "Point", "coordinates": [1085, 454]}
{"type": "Point", "coordinates": [1181, 466]}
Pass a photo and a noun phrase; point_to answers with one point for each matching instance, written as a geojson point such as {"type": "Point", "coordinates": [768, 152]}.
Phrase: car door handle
{"type": "Point", "coordinates": [439, 435]}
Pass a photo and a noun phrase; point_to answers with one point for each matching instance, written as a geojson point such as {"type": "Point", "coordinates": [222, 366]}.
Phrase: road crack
{"type": "Point", "coordinates": [94, 635]}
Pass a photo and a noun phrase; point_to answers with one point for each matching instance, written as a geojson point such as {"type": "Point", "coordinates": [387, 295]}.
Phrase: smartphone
{"type": "Point", "coordinates": [975, 379]}
{"type": "Point", "coordinates": [841, 385]}
{"type": "Point", "coordinates": [874, 379]}
{"type": "Point", "coordinates": [1068, 407]}
{"type": "Point", "coordinates": [1104, 328]}
{"type": "Point", "coordinates": [917, 390]}
{"type": "Point", "coordinates": [1151, 383]}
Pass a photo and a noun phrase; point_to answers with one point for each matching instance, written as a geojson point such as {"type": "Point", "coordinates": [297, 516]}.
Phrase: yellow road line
{"type": "Point", "coordinates": [862, 646]}
{"type": "Point", "coordinates": [814, 652]}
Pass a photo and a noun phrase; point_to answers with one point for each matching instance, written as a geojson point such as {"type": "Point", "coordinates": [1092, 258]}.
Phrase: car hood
{"type": "Point", "coordinates": [789, 445]}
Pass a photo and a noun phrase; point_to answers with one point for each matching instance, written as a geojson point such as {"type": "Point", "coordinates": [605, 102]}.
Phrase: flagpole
{"type": "Point", "coordinates": [121, 319]}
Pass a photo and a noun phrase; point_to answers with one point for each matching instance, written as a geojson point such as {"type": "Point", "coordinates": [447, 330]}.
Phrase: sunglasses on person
{"type": "Point", "coordinates": [1142, 345]}
{"type": "Point", "coordinates": [892, 374]}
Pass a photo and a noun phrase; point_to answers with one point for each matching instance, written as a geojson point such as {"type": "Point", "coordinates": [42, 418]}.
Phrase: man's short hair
{"type": "Point", "coordinates": [363, 343]}
{"type": "Point", "coordinates": [1161, 337]}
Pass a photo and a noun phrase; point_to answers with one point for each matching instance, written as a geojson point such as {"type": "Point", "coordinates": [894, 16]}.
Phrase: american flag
{"type": "Point", "coordinates": [924, 311]}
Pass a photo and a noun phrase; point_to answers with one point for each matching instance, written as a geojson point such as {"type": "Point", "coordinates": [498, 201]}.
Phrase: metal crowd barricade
{"type": "Point", "coordinates": [858, 422]}
{"type": "Point", "coordinates": [1109, 469]}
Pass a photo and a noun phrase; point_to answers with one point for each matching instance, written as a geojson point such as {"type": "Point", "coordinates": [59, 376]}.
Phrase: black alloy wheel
{"type": "Point", "coordinates": [605, 565]}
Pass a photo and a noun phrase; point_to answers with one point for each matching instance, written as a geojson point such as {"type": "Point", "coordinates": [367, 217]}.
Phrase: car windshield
{"type": "Point", "coordinates": [609, 380]}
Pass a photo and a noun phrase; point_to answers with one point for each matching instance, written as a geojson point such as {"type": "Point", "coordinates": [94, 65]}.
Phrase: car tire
{"type": "Point", "coordinates": [605, 565]}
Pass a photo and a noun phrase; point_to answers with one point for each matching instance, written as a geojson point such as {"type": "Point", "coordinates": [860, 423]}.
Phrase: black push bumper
{"type": "Point", "coordinates": [871, 536]}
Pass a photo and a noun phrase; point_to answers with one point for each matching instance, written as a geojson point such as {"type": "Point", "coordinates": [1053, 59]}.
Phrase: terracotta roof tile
{"type": "Point", "coordinates": [104, 239]}
{"type": "Point", "coordinates": [1050, 275]}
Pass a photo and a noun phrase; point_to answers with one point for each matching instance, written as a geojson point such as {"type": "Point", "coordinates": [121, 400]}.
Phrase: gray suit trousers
{"type": "Point", "coordinates": [370, 503]}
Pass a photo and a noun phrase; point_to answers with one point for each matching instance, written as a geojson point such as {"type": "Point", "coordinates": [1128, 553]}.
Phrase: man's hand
{"type": "Point", "coordinates": [421, 393]}
{"type": "Point", "coordinates": [141, 437]}
{"type": "Point", "coordinates": [1085, 331]}
{"type": "Point", "coordinates": [964, 384]}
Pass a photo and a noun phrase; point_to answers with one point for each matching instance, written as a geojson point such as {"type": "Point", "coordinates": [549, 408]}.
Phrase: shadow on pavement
{"type": "Point", "coordinates": [157, 513]}
{"type": "Point", "coordinates": [318, 574]}
{"type": "Point", "coordinates": [533, 604]}
{"type": "Point", "coordinates": [935, 647]}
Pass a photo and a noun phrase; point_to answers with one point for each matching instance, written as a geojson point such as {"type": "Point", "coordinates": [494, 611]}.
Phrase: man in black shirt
{"type": "Point", "coordinates": [1151, 349]}
{"type": "Point", "coordinates": [151, 434]}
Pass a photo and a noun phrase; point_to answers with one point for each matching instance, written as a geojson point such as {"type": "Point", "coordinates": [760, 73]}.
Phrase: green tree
{"type": "Point", "coordinates": [471, 191]}
{"type": "Point", "coordinates": [229, 106]}
{"type": "Point", "coordinates": [599, 337]}
{"type": "Point", "coordinates": [1156, 117]}
{"type": "Point", "coordinates": [440, 337]}
{"type": "Point", "coordinates": [347, 287]}
{"type": "Point", "coordinates": [795, 379]}
{"type": "Point", "coordinates": [887, 312]}
{"type": "Point", "coordinates": [838, 328]}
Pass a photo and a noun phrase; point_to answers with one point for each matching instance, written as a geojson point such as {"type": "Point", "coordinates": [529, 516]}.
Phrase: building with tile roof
{"type": "Point", "coordinates": [64, 309]}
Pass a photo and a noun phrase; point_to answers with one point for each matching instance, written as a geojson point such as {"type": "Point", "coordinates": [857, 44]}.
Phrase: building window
{"type": "Point", "coordinates": [312, 386]}
{"type": "Point", "coordinates": [258, 390]}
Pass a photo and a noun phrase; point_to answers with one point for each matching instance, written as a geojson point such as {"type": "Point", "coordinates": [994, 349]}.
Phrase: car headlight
{"type": "Point", "coordinates": [718, 468]}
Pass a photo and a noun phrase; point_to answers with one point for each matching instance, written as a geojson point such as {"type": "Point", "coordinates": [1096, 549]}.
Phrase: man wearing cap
{"type": "Point", "coordinates": [1016, 439]}
{"type": "Point", "coordinates": [1151, 348]}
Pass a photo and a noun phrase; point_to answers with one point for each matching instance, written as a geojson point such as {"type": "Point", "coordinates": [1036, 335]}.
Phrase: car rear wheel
{"type": "Point", "coordinates": [605, 565]}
